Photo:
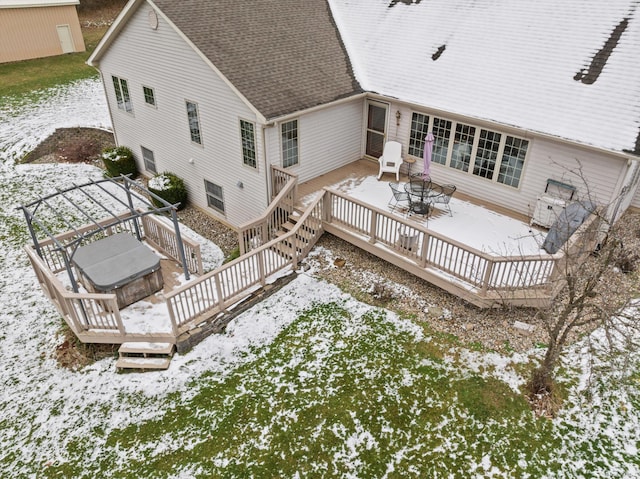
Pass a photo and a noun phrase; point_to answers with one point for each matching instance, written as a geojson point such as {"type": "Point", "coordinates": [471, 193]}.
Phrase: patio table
{"type": "Point", "coordinates": [421, 195]}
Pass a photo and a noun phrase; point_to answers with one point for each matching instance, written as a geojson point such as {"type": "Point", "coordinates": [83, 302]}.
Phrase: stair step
{"type": "Point", "coordinates": [295, 216]}
{"type": "Point", "coordinates": [145, 348]}
{"type": "Point", "coordinates": [288, 226]}
{"type": "Point", "coordinates": [142, 363]}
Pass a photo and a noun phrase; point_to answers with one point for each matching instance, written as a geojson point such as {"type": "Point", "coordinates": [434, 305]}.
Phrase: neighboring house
{"type": "Point", "coordinates": [38, 28]}
{"type": "Point", "coordinates": [515, 92]}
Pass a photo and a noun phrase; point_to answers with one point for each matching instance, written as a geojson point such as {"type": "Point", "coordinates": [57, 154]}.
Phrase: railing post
{"type": "Point", "coordinates": [261, 268]}
{"type": "Point", "coordinates": [220, 296]}
{"type": "Point", "coordinates": [294, 252]}
{"type": "Point", "coordinates": [424, 249]}
{"type": "Point", "coordinates": [172, 317]}
{"type": "Point", "coordinates": [326, 206]}
{"type": "Point", "coordinates": [487, 277]}
{"type": "Point", "coordinates": [373, 227]}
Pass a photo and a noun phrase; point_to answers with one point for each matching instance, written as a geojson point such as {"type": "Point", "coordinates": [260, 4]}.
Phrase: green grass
{"type": "Point", "coordinates": [333, 395]}
{"type": "Point", "coordinates": [22, 78]}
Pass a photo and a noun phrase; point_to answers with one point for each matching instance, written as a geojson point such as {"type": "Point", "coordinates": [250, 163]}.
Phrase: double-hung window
{"type": "Point", "coordinates": [123, 99]}
{"type": "Point", "coordinates": [194, 122]}
{"type": "Point", "coordinates": [149, 160]}
{"type": "Point", "coordinates": [290, 154]}
{"type": "Point", "coordinates": [214, 196]}
{"type": "Point", "coordinates": [248, 137]}
{"type": "Point", "coordinates": [149, 96]}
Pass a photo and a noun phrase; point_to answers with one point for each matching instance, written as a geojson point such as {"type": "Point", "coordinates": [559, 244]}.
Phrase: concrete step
{"type": "Point", "coordinates": [128, 362]}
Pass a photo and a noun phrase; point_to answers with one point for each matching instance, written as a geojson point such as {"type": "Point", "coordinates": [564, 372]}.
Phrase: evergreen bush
{"type": "Point", "coordinates": [170, 188]}
{"type": "Point", "coordinates": [118, 161]}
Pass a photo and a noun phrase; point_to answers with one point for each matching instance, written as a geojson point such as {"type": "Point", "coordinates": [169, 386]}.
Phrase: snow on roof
{"type": "Point", "coordinates": [36, 3]}
{"type": "Point", "coordinates": [569, 69]}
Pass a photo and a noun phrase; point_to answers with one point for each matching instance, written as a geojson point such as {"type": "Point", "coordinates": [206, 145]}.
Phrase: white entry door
{"type": "Point", "coordinates": [66, 40]}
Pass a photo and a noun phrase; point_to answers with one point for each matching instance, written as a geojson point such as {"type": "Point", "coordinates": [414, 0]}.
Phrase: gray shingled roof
{"type": "Point", "coordinates": [279, 70]}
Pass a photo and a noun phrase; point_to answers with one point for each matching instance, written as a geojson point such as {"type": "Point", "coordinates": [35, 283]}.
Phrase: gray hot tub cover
{"type": "Point", "coordinates": [568, 221]}
{"type": "Point", "coordinates": [114, 261]}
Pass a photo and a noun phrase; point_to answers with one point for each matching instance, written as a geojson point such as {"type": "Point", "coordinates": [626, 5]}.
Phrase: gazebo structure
{"type": "Point", "coordinates": [104, 249]}
{"type": "Point", "coordinates": [108, 265]}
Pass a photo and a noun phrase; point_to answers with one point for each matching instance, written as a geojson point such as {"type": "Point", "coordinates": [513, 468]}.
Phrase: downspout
{"type": "Point", "coordinates": [267, 170]}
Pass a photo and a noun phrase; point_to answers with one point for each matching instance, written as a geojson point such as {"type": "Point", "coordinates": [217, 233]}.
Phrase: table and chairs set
{"type": "Point", "coordinates": [418, 196]}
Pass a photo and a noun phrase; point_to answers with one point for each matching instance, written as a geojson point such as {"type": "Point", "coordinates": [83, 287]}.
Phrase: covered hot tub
{"type": "Point", "coordinates": [119, 264]}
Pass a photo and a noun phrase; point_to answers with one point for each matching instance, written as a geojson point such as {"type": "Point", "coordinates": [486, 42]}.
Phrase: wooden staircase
{"type": "Point", "coordinates": [286, 228]}
{"type": "Point", "coordinates": [144, 356]}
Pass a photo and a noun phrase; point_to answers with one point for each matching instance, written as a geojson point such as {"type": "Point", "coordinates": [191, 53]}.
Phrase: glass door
{"type": "Point", "coordinates": [376, 128]}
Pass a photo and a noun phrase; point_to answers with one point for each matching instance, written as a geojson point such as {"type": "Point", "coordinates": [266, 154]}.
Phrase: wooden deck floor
{"type": "Point", "coordinates": [349, 176]}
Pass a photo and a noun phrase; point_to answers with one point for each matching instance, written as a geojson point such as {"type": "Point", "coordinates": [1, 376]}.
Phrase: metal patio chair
{"type": "Point", "coordinates": [399, 196]}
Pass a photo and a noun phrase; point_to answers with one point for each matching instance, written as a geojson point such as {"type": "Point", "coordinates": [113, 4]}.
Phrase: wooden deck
{"type": "Point", "coordinates": [349, 176]}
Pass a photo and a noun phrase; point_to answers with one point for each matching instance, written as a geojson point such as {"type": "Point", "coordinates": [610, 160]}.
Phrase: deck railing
{"type": "Point", "coordinates": [162, 236]}
{"type": "Point", "coordinates": [82, 311]}
{"type": "Point", "coordinates": [96, 312]}
{"type": "Point", "coordinates": [214, 292]}
{"type": "Point", "coordinates": [263, 229]}
{"type": "Point", "coordinates": [479, 273]}
{"type": "Point", "coordinates": [279, 179]}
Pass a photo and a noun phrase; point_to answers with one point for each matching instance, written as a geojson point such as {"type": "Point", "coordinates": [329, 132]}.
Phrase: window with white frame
{"type": "Point", "coordinates": [194, 122]}
{"type": "Point", "coordinates": [290, 155]}
{"type": "Point", "coordinates": [441, 134]}
{"type": "Point", "coordinates": [419, 129]}
{"type": "Point", "coordinates": [149, 96]}
{"type": "Point", "coordinates": [149, 160]}
{"type": "Point", "coordinates": [248, 137]}
{"type": "Point", "coordinates": [123, 99]}
{"type": "Point", "coordinates": [512, 161]}
{"type": "Point", "coordinates": [489, 154]}
{"type": "Point", "coordinates": [214, 196]}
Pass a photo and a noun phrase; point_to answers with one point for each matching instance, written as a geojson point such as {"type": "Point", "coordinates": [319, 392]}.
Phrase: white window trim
{"type": "Point", "coordinates": [474, 149]}
{"type": "Point", "coordinates": [297, 164]}
{"type": "Point", "coordinates": [255, 143]}
{"type": "Point", "coordinates": [193, 142]}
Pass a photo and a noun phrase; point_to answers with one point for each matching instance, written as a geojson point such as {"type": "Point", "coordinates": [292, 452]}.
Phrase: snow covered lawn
{"type": "Point", "coordinates": [309, 383]}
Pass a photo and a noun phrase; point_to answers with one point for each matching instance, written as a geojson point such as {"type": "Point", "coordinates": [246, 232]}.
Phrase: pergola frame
{"type": "Point", "coordinates": [129, 189]}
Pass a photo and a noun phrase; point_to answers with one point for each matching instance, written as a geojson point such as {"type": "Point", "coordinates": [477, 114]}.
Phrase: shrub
{"type": "Point", "coordinates": [118, 161]}
{"type": "Point", "coordinates": [170, 188]}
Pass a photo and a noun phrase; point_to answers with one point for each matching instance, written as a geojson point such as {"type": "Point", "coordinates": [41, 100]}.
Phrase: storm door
{"type": "Point", "coordinates": [376, 128]}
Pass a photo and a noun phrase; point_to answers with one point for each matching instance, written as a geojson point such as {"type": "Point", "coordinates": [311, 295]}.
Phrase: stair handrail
{"type": "Point", "coordinates": [263, 229]}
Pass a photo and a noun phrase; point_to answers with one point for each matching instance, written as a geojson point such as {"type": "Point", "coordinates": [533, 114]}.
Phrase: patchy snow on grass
{"type": "Point", "coordinates": [308, 380]}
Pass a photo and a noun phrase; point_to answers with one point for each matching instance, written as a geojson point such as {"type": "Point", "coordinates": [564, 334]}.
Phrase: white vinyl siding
{"type": "Point", "coordinates": [523, 164]}
{"type": "Point", "coordinates": [335, 140]}
{"type": "Point", "coordinates": [160, 58]}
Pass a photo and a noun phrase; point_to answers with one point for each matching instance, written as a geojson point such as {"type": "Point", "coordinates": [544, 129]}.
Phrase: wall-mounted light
{"type": "Point", "coordinates": [239, 184]}
{"type": "Point", "coordinates": [398, 115]}
{"type": "Point", "coordinates": [190, 161]}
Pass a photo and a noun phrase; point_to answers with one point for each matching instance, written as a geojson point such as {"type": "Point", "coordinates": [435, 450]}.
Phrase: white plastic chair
{"type": "Point", "coordinates": [391, 159]}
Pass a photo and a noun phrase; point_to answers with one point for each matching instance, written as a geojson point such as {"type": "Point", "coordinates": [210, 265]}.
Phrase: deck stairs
{"type": "Point", "coordinates": [285, 228]}
{"type": "Point", "coordinates": [144, 356]}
